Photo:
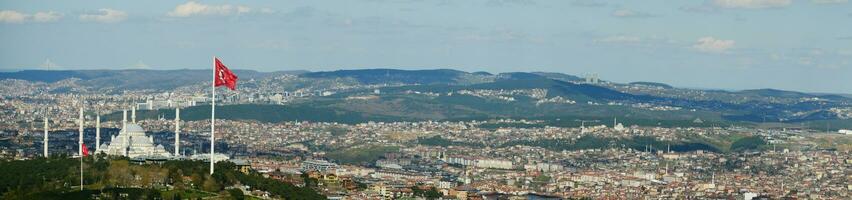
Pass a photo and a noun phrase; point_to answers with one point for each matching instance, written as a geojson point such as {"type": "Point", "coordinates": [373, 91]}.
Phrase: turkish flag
{"type": "Point", "coordinates": [85, 150]}
{"type": "Point", "coordinates": [224, 76]}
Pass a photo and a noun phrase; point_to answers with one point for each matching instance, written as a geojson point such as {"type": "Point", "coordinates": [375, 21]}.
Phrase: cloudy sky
{"type": "Point", "coordinates": [801, 45]}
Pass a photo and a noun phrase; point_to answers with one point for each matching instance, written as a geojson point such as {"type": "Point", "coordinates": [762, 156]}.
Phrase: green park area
{"type": "Point", "coordinates": [119, 178]}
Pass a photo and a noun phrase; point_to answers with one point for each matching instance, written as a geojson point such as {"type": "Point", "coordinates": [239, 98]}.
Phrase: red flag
{"type": "Point", "coordinates": [85, 150]}
{"type": "Point", "coordinates": [224, 76]}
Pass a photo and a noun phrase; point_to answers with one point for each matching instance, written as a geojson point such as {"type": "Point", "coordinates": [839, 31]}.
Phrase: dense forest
{"type": "Point", "coordinates": [59, 178]}
{"type": "Point", "coordinates": [748, 143]}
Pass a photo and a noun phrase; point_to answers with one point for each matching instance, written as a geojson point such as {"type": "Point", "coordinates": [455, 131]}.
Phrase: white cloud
{"type": "Point", "coordinates": [752, 3]}
{"type": "Point", "coordinates": [48, 16]}
{"type": "Point", "coordinates": [620, 39]}
{"type": "Point", "coordinates": [141, 65]}
{"type": "Point", "coordinates": [713, 45]}
{"type": "Point", "coordinates": [829, 1]}
{"type": "Point", "coordinates": [267, 11]}
{"type": "Point", "coordinates": [106, 15]}
{"type": "Point", "coordinates": [11, 16]}
{"type": "Point", "coordinates": [243, 9]}
{"type": "Point", "coordinates": [588, 3]}
{"type": "Point", "coordinates": [623, 13]}
{"type": "Point", "coordinates": [193, 8]}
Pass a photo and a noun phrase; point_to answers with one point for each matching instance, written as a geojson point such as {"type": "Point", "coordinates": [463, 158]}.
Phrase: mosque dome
{"type": "Point", "coordinates": [132, 142]}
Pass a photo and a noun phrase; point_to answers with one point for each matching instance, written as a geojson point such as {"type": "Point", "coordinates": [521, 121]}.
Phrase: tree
{"type": "Point", "coordinates": [119, 173]}
{"type": "Point", "coordinates": [197, 179]}
{"type": "Point", "coordinates": [748, 143]}
{"type": "Point", "coordinates": [211, 185]}
{"type": "Point", "coordinates": [236, 194]}
{"type": "Point", "coordinates": [176, 178]}
{"type": "Point", "coordinates": [152, 194]}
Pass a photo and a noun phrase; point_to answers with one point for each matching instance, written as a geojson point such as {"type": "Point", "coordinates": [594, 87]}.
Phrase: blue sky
{"type": "Point", "coordinates": [803, 45]}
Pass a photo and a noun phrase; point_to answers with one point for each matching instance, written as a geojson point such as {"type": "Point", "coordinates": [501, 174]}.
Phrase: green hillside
{"type": "Point", "coordinates": [450, 108]}
{"type": "Point", "coordinates": [107, 178]}
{"type": "Point", "coordinates": [261, 112]}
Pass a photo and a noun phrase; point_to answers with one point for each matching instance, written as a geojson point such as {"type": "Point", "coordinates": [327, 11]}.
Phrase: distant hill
{"type": "Point", "coordinates": [132, 78]}
{"type": "Point", "coordinates": [481, 73]}
{"type": "Point", "coordinates": [559, 76]}
{"type": "Point", "coordinates": [380, 76]}
{"type": "Point", "coordinates": [402, 98]}
{"type": "Point", "coordinates": [519, 76]}
{"type": "Point", "coordinates": [653, 84]}
{"type": "Point", "coordinates": [264, 113]}
{"type": "Point", "coordinates": [775, 93]}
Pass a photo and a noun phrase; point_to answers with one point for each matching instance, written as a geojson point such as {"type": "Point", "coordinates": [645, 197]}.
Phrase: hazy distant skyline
{"type": "Point", "coordinates": [801, 45]}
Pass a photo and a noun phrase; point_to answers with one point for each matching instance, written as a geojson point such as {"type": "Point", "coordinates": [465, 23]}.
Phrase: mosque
{"type": "Point", "coordinates": [132, 142]}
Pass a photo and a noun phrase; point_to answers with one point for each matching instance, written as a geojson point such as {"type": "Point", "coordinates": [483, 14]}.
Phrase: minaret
{"type": "Point", "coordinates": [614, 121]}
{"type": "Point", "coordinates": [133, 115]}
{"type": "Point", "coordinates": [124, 120]}
{"type": "Point", "coordinates": [80, 143]}
{"type": "Point", "coordinates": [177, 131]}
{"type": "Point", "coordinates": [713, 181]}
{"type": "Point", "coordinates": [98, 132]}
{"type": "Point", "coordinates": [45, 137]}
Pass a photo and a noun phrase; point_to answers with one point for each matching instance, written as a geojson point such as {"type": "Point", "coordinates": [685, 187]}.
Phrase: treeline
{"type": "Point", "coordinates": [277, 188]}
{"type": "Point", "coordinates": [58, 178]}
{"type": "Point", "coordinates": [639, 143]}
{"type": "Point", "coordinates": [37, 174]}
{"type": "Point", "coordinates": [264, 113]}
{"type": "Point", "coordinates": [748, 143]}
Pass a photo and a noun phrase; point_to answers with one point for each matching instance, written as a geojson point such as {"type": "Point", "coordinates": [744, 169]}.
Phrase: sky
{"type": "Point", "coordinates": [802, 45]}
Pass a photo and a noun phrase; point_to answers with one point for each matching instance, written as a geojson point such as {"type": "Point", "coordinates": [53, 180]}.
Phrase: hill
{"type": "Point", "coordinates": [131, 79]}
{"type": "Point", "coordinates": [775, 93]}
{"type": "Point", "coordinates": [391, 76]}
{"type": "Point", "coordinates": [265, 113]}
{"type": "Point", "coordinates": [558, 76]}
{"type": "Point", "coordinates": [652, 84]}
{"type": "Point", "coordinates": [437, 95]}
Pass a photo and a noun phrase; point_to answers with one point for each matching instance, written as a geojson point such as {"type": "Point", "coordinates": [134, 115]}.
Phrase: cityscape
{"type": "Point", "coordinates": [257, 129]}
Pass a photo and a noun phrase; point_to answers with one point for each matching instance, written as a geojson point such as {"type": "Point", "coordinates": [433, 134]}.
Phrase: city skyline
{"type": "Point", "coordinates": [426, 99]}
{"type": "Point", "coordinates": [782, 44]}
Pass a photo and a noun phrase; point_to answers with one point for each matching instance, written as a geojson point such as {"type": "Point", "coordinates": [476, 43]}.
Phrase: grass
{"type": "Point", "coordinates": [722, 142]}
{"type": "Point", "coordinates": [840, 142]}
{"type": "Point", "coordinates": [186, 194]}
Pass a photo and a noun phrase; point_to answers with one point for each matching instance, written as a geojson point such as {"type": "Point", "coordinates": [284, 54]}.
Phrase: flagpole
{"type": "Point", "coordinates": [81, 172]}
{"type": "Point", "coordinates": [80, 147]}
{"type": "Point", "coordinates": [213, 117]}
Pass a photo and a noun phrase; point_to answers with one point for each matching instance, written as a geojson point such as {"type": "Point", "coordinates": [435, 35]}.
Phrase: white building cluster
{"type": "Point", "coordinates": [132, 142]}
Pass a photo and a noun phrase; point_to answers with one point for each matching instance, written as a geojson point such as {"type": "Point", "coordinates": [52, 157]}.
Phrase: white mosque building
{"type": "Point", "coordinates": [132, 142]}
